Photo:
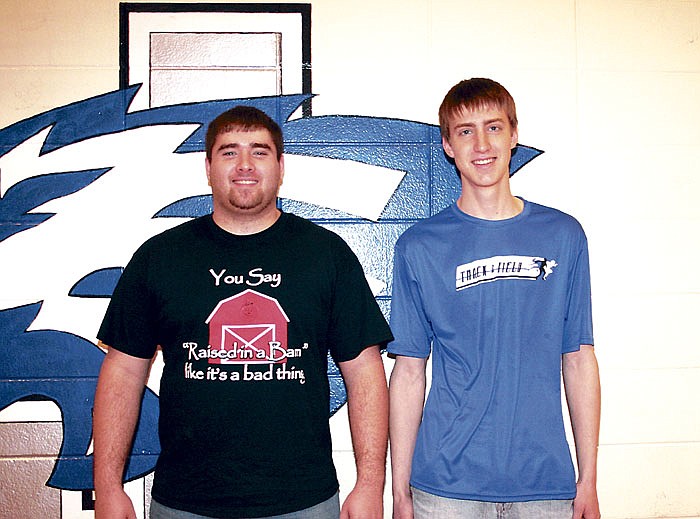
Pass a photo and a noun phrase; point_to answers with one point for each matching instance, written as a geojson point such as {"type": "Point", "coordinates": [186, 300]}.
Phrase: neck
{"type": "Point", "coordinates": [243, 226]}
{"type": "Point", "coordinates": [490, 205]}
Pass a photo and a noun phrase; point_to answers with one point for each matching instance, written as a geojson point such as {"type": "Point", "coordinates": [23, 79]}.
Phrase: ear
{"type": "Point", "coordinates": [281, 169]}
{"type": "Point", "coordinates": [448, 148]}
{"type": "Point", "coordinates": [514, 138]}
{"type": "Point", "coordinates": [207, 166]}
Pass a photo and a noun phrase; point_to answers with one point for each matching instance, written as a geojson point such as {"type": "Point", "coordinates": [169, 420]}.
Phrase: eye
{"type": "Point", "coordinates": [494, 128]}
{"type": "Point", "coordinates": [465, 131]}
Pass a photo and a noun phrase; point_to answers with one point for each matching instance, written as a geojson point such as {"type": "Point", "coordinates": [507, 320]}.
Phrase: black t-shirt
{"type": "Point", "coordinates": [245, 324]}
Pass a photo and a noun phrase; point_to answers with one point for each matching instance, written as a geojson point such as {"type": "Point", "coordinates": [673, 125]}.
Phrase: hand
{"type": "Point", "coordinates": [403, 506]}
{"type": "Point", "coordinates": [586, 502]}
{"type": "Point", "coordinates": [363, 503]}
{"type": "Point", "coordinates": [114, 505]}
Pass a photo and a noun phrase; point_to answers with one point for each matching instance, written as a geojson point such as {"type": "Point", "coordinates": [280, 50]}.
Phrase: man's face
{"type": "Point", "coordinates": [480, 143]}
{"type": "Point", "coordinates": [244, 174]}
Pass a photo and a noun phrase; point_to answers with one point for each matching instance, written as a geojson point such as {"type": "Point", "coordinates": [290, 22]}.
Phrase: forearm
{"type": "Point", "coordinates": [406, 397]}
{"type": "Point", "coordinates": [368, 411]}
{"type": "Point", "coordinates": [582, 386]}
{"type": "Point", "coordinates": [117, 403]}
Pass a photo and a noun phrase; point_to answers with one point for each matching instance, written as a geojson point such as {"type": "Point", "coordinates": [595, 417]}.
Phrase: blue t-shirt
{"type": "Point", "coordinates": [498, 302]}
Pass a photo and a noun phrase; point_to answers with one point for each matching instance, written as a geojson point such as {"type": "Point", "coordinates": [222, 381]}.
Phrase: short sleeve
{"type": "Point", "coordinates": [409, 323]}
{"type": "Point", "coordinates": [129, 324]}
{"type": "Point", "coordinates": [356, 320]}
{"type": "Point", "coordinates": [578, 328]}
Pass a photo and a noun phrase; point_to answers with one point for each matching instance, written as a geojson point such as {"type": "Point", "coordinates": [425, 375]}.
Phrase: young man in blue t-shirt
{"type": "Point", "coordinates": [497, 290]}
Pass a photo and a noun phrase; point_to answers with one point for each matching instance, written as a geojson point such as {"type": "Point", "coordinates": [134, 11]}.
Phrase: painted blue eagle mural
{"type": "Point", "coordinates": [81, 186]}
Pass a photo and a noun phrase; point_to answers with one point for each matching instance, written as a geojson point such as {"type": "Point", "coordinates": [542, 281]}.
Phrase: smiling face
{"type": "Point", "coordinates": [480, 142]}
{"type": "Point", "coordinates": [245, 176]}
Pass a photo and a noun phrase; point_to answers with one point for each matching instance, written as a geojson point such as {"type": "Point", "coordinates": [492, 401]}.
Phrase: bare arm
{"type": "Point", "coordinates": [582, 387]}
{"type": "Point", "coordinates": [368, 410]}
{"type": "Point", "coordinates": [117, 403]}
{"type": "Point", "coordinates": [406, 398]}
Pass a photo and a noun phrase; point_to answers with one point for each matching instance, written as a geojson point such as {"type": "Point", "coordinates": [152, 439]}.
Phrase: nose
{"type": "Point", "coordinates": [481, 142]}
{"type": "Point", "coordinates": [244, 162]}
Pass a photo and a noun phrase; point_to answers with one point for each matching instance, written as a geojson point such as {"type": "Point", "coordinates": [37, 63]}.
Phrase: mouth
{"type": "Point", "coordinates": [245, 182]}
{"type": "Point", "coordinates": [484, 162]}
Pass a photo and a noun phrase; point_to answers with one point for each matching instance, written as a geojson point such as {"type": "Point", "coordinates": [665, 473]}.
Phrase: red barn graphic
{"type": "Point", "coordinates": [248, 328]}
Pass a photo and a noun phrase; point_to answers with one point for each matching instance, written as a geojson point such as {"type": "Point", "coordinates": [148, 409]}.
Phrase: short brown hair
{"type": "Point", "coordinates": [245, 118]}
{"type": "Point", "coordinates": [472, 94]}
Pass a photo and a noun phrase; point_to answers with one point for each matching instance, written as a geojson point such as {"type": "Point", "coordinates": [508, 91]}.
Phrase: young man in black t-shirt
{"type": "Point", "coordinates": [245, 314]}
